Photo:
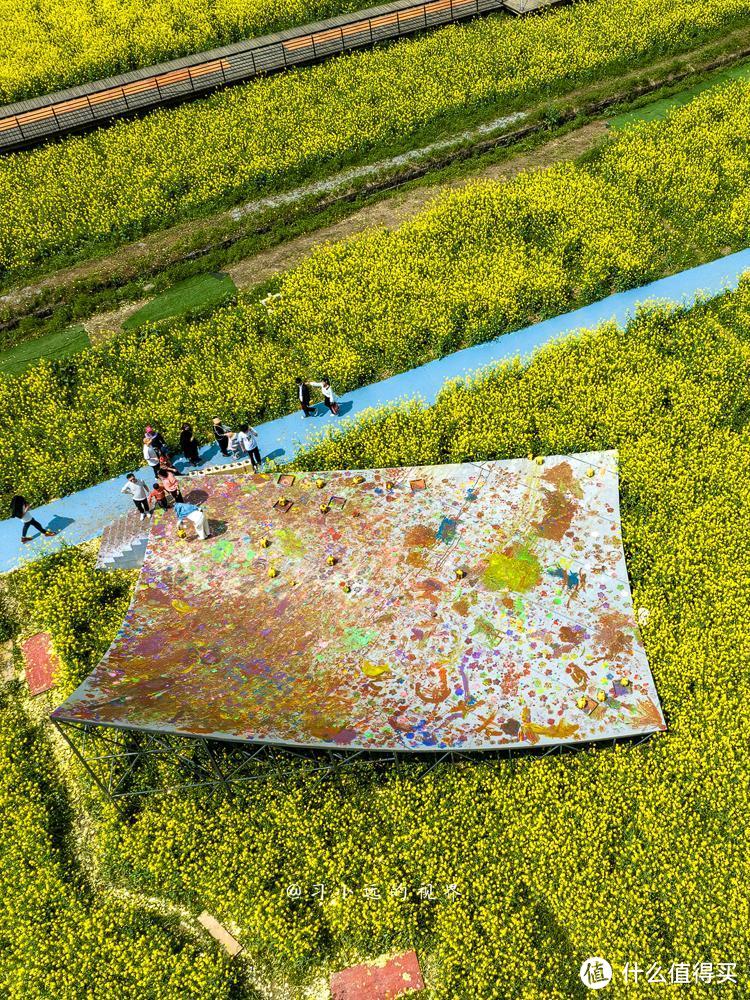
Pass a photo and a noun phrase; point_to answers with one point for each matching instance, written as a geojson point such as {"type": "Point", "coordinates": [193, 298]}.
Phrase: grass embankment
{"type": "Point", "coordinates": [53, 346]}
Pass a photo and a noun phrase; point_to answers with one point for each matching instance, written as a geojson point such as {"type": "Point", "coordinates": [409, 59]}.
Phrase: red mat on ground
{"type": "Point", "coordinates": [41, 662]}
{"type": "Point", "coordinates": [383, 979]}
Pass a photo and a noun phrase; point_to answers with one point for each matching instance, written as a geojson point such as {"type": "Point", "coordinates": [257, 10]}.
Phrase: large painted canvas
{"type": "Point", "coordinates": [474, 606]}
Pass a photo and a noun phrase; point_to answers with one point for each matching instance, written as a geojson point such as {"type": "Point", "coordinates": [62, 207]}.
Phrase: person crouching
{"type": "Point", "coordinates": [189, 512]}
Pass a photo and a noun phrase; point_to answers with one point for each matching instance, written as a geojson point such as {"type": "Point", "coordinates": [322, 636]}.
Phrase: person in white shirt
{"type": "Point", "coordinates": [329, 396]}
{"type": "Point", "coordinates": [151, 456]}
{"type": "Point", "coordinates": [246, 441]}
{"type": "Point", "coordinates": [21, 508]}
{"type": "Point", "coordinates": [138, 492]}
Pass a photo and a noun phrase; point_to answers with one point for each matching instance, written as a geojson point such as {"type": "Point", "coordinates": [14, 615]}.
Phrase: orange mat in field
{"type": "Point", "coordinates": [383, 979]}
{"type": "Point", "coordinates": [41, 662]}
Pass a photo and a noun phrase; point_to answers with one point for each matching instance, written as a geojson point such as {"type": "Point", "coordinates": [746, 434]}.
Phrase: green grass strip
{"type": "Point", "coordinates": [659, 109]}
{"type": "Point", "coordinates": [204, 291]}
{"type": "Point", "coordinates": [53, 347]}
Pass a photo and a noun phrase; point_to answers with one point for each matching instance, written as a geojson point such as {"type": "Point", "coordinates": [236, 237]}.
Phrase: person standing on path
{"type": "Point", "coordinates": [20, 508]}
{"type": "Point", "coordinates": [329, 396]}
{"type": "Point", "coordinates": [150, 456]}
{"type": "Point", "coordinates": [189, 512]}
{"type": "Point", "coordinates": [221, 433]}
{"type": "Point", "coordinates": [171, 486]}
{"type": "Point", "coordinates": [247, 441]}
{"type": "Point", "coordinates": [303, 394]}
{"type": "Point", "coordinates": [157, 441]}
{"type": "Point", "coordinates": [189, 445]}
{"type": "Point", "coordinates": [137, 490]}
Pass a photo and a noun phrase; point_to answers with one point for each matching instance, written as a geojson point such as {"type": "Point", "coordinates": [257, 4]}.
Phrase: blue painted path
{"type": "Point", "coordinates": [84, 515]}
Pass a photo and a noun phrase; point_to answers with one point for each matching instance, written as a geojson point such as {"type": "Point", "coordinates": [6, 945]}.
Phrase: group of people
{"type": "Point", "coordinates": [303, 394]}
{"type": "Point", "coordinates": [166, 492]}
{"type": "Point", "coordinates": [146, 501]}
{"type": "Point", "coordinates": [240, 444]}
{"type": "Point", "coordinates": [166, 489]}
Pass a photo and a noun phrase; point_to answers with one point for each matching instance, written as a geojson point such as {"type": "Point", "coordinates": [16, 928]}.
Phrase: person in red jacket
{"type": "Point", "coordinates": [157, 497]}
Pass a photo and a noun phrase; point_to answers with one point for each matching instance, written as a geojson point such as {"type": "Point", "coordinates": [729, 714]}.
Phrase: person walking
{"type": "Point", "coordinates": [189, 445]}
{"type": "Point", "coordinates": [138, 493]}
{"type": "Point", "coordinates": [171, 486]}
{"type": "Point", "coordinates": [189, 512]}
{"type": "Point", "coordinates": [150, 456]}
{"type": "Point", "coordinates": [303, 394]}
{"type": "Point", "coordinates": [21, 508]}
{"type": "Point", "coordinates": [329, 396]}
{"type": "Point", "coordinates": [221, 433]}
{"type": "Point", "coordinates": [158, 496]}
{"type": "Point", "coordinates": [246, 440]}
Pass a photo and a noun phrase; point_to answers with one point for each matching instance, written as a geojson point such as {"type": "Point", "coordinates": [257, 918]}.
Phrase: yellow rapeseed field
{"type": "Point", "coordinates": [51, 44]}
{"type": "Point", "coordinates": [480, 262]}
{"type": "Point", "coordinates": [120, 182]}
{"type": "Point", "coordinates": [58, 938]}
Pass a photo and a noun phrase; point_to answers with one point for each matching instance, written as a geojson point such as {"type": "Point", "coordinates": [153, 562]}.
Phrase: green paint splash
{"type": "Point", "coordinates": [222, 550]}
{"type": "Point", "coordinates": [356, 638]}
{"type": "Point", "coordinates": [515, 569]}
{"type": "Point", "coordinates": [291, 545]}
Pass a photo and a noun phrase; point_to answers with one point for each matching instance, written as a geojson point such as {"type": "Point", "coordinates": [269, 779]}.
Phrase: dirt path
{"type": "Point", "coordinates": [102, 325]}
{"type": "Point", "coordinates": [391, 212]}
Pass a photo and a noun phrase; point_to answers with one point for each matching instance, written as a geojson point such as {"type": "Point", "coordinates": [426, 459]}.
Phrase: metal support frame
{"type": "Point", "coordinates": [126, 763]}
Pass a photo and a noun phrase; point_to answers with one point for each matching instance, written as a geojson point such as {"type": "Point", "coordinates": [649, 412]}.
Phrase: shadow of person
{"type": "Point", "coordinates": [345, 407]}
{"type": "Point", "coordinates": [59, 523]}
{"type": "Point", "coordinates": [218, 527]}
{"type": "Point", "coordinates": [196, 496]}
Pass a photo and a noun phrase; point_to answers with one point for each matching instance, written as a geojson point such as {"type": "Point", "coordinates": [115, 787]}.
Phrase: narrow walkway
{"type": "Point", "coordinates": [371, 169]}
{"type": "Point", "coordinates": [84, 515]}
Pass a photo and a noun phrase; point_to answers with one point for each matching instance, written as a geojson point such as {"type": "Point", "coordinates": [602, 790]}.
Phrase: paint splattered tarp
{"type": "Point", "coordinates": [469, 606]}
